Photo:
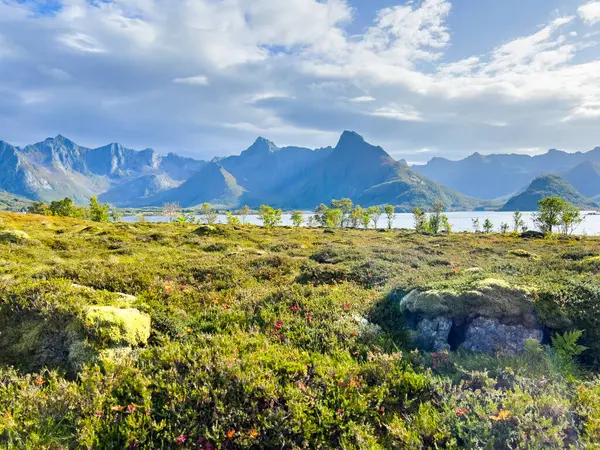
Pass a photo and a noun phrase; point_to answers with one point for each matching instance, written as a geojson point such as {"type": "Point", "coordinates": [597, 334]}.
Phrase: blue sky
{"type": "Point", "coordinates": [422, 78]}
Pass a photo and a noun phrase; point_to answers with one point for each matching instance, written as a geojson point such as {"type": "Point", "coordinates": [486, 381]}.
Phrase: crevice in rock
{"type": "Point", "coordinates": [457, 335]}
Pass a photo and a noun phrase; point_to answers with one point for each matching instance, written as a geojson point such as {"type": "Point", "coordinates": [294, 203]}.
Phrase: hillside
{"type": "Point", "coordinates": [498, 175]}
{"type": "Point", "coordinates": [547, 186]}
{"type": "Point", "coordinates": [366, 174]}
{"type": "Point", "coordinates": [585, 178]}
{"type": "Point", "coordinates": [11, 202]}
{"type": "Point", "coordinates": [140, 335]}
{"type": "Point", "coordinates": [212, 184]}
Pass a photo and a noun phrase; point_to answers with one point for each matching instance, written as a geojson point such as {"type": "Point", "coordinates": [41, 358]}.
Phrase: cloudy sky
{"type": "Point", "coordinates": [421, 78]}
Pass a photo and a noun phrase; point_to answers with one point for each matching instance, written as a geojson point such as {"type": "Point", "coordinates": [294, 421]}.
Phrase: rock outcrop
{"type": "Point", "coordinates": [489, 316]}
{"type": "Point", "coordinates": [13, 236]}
{"type": "Point", "coordinates": [490, 336]}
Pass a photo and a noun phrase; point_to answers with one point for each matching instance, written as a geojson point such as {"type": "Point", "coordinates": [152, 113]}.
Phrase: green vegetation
{"type": "Point", "coordinates": [96, 211]}
{"type": "Point", "coordinates": [139, 335]}
{"type": "Point", "coordinates": [12, 202]}
{"type": "Point", "coordinates": [432, 223]}
{"type": "Point", "coordinates": [553, 213]}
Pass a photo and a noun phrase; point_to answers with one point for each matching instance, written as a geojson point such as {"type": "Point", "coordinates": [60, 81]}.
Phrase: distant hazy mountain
{"type": "Point", "coordinates": [136, 190]}
{"type": "Point", "coordinates": [369, 176]}
{"type": "Point", "coordinates": [548, 186]}
{"type": "Point", "coordinates": [264, 166]}
{"type": "Point", "coordinates": [585, 178]}
{"type": "Point", "coordinates": [499, 175]}
{"type": "Point", "coordinates": [58, 167]}
{"type": "Point", "coordinates": [212, 184]}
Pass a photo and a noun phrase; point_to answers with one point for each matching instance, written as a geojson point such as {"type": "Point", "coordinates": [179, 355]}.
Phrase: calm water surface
{"type": "Point", "coordinates": [460, 221]}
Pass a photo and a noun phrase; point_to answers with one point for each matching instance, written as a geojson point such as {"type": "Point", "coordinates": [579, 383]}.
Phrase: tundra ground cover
{"type": "Point", "coordinates": [280, 338]}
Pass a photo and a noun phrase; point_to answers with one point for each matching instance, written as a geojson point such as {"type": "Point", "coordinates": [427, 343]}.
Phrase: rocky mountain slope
{"type": "Point", "coordinates": [548, 186]}
{"type": "Point", "coordinates": [58, 167]}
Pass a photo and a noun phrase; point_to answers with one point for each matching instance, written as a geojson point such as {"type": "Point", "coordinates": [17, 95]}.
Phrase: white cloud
{"type": "Point", "coordinates": [81, 42]}
{"type": "Point", "coordinates": [590, 12]}
{"type": "Point", "coordinates": [362, 99]}
{"type": "Point", "coordinates": [198, 80]}
{"type": "Point", "coordinates": [278, 68]}
{"type": "Point", "coordinates": [396, 112]}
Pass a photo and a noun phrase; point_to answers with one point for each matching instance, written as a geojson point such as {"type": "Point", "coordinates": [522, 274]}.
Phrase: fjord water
{"type": "Point", "coordinates": [460, 221]}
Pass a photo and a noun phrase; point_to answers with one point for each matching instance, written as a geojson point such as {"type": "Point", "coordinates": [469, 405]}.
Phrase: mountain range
{"type": "Point", "coordinates": [291, 177]}
{"type": "Point", "coordinates": [287, 177]}
{"type": "Point", "coordinates": [502, 175]}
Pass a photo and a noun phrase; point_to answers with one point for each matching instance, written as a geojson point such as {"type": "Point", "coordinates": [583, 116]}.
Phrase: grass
{"type": "Point", "coordinates": [267, 339]}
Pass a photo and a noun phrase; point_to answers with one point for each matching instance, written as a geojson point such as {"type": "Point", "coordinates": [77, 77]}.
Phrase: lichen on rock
{"type": "Point", "coordinates": [109, 326]}
{"type": "Point", "coordinates": [14, 236]}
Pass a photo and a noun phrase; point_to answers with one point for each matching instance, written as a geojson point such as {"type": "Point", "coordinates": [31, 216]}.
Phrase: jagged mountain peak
{"type": "Point", "coordinates": [261, 146]}
{"type": "Point", "coordinates": [350, 138]}
{"type": "Point", "coordinates": [352, 145]}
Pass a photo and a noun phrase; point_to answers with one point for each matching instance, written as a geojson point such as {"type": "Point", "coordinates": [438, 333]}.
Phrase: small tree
{"type": "Point", "coordinates": [98, 212]}
{"type": "Point", "coordinates": [232, 219]}
{"type": "Point", "coordinates": [356, 216]}
{"type": "Point", "coordinates": [476, 225]}
{"type": "Point", "coordinates": [446, 226]}
{"type": "Point", "coordinates": [488, 226]}
{"type": "Point", "coordinates": [244, 213]}
{"type": "Point", "coordinates": [311, 222]}
{"type": "Point", "coordinates": [435, 218]}
{"type": "Point", "coordinates": [344, 205]}
{"type": "Point", "coordinates": [63, 208]}
{"type": "Point", "coordinates": [171, 210]}
{"type": "Point", "coordinates": [365, 218]}
{"type": "Point", "coordinates": [375, 213]}
{"type": "Point", "coordinates": [421, 223]}
{"type": "Point", "coordinates": [116, 215]}
{"type": "Point", "coordinates": [270, 217]}
{"type": "Point", "coordinates": [504, 227]}
{"type": "Point", "coordinates": [297, 219]}
{"type": "Point", "coordinates": [40, 208]}
{"type": "Point", "coordinates": [333, 218]}
{"type": "Point", "coordinates": [207, 214]}
{"type": "Point", "coordinates": [570, 219]}
{"type": "Point", "coordinates": [518, 222]}
{"type": "Point", "coordinates": [549, 213]}
{"type": "Point", "coordinates": [321, 214]}
{"type": "Point", "coordinates": [390, 213]}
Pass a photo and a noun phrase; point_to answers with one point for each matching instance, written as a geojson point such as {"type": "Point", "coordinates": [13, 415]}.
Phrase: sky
{"type": "Point", "coordinates": [204, 78]}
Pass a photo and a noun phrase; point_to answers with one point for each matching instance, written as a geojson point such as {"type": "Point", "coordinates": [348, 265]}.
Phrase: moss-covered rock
{"type": "Point", "coordinates": [488, 316]}
{"type": "Point", "coordinates": [491, 298]}
{"type": "Point", "coordinates": [109, 326]}
{"type": "Point", "coordinates": [13, 236]}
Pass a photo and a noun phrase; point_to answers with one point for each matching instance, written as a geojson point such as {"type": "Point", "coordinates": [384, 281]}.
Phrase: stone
{"type": "Point", "coordinates": [109, 326]}
{"type": "Point", "coordinates": [486, 335]}
{"type": "Point", "coordinates": [532, 234]}
{"type": "Point", "coordinates": [365, 326]}
{"type": "Point", "coordinates": [13, 236]}
{"type": "Point", "coordinates": [432, 334]}
{"type": "Point", "coordinates": [208, 230]}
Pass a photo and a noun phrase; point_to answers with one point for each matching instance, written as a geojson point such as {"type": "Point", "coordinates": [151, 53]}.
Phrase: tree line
{"type": "Point", "coordinates": [95, 211]}
{"type": "Point", "coordinates": [554, 215]}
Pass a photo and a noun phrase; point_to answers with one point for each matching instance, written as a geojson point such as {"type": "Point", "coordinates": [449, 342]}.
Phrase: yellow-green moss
{"type": "Point", "coordinates": [109, 326]}
{"type": "Point", "coordinates": [13, 236]}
